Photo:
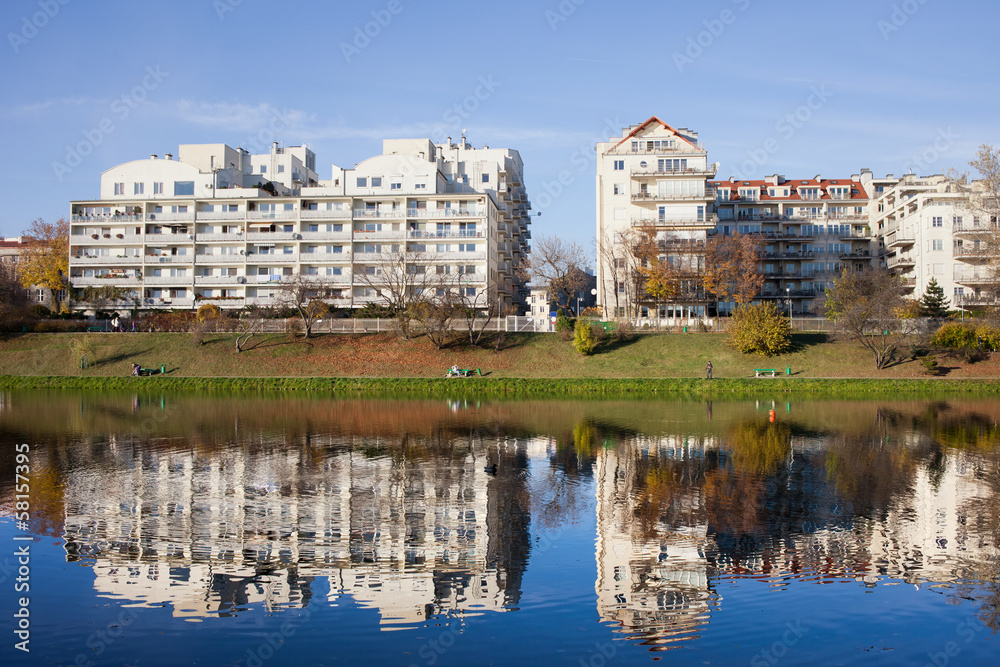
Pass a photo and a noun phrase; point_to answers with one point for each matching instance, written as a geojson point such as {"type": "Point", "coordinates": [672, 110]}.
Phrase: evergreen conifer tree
{"type": "Point", "coordinates": [933, 303]}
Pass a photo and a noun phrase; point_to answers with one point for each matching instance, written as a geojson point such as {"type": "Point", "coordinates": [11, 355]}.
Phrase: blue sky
{"type": "Point", "coordinates": [795, 88]}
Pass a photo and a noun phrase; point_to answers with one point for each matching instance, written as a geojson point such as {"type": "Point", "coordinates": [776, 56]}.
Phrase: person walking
{"type": "Point", "coordinates": [708, 371]}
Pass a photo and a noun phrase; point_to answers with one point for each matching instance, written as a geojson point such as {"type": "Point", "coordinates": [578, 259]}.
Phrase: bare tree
{"type": "Point", "coordinates": [400, 279]}
{"type": "Point", "coordinates": [478, 308]}
{"type": "Point", "coordinates": [622, 257]}
{"type": "Point", "coordinates": [250, 322]}
{"type": "Point", "coordinates": [868, 306]}
{"type": "Point", "coordinates": [558, 264]}
{"type": "Point", "coordinates": [306, 295]}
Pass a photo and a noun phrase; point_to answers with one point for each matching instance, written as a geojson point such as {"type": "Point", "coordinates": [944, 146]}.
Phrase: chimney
{"type": "Point", "coordinates": [168, 156]}
{"type": "Point", "coordinates": [274, 146]}
{"type": "Point", "coordinates": [447, 140]}
{"type": "Point", "coordinates": [152, 156]}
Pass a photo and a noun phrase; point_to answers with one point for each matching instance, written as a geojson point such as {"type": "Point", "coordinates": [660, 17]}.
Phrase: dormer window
{"type": "Point", "coordinates": [749, 194]}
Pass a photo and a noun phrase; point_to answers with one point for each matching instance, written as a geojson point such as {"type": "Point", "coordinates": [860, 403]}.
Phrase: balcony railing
{"type": "Point", "coordinates": [115, 280]}
{"type": "Point", "coordinates": [107, 239]}
{"type": "Point", "coordinates": [219, 280]}
{"type": "Point", "coordinates": [690, 171]}
{"type": "Point", "coordinates": [898, 241]}
{"type": "Point", "coordinates": [220, 215]}
{"type": "Point", "coordinates": [167, 280]}
{"type": "Point", "coordinates": [445, 234]}
{"type": "Point", "coordinates": [170, 217]}
{"type": "Point", "coordinates": [272, 236]}
{"type": "Point", "coordinates": [981, 251]}
{"type": "Point", "coordinates": [394, 213]}
{"type": "Point", "coordinates": [168, 259]}
{"type": "Point", "coordinates": [106, 218]}
{"type": "Point", "coordinates": [656, 196]}
{"type": "Point", "coordinates": [335, 214]}
{"type": "Point", "coordinates": [673, 221]}
{"type": "Point", "coordinates": [204, 238]}
{"type": "Point", "coordinates": [220, 259]}
{"type": "Point", "coordinates": [272, 215]}
{"type": "Point", "coordinates": [446, 213]}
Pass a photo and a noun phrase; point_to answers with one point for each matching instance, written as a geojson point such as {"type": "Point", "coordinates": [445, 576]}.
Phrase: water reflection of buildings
{"type": "Point", "coordinates": [666, 542]}
{"type": "Point", "coordinates": [653, 585]}
{"type": "Point", "coordinates": [209, 533]}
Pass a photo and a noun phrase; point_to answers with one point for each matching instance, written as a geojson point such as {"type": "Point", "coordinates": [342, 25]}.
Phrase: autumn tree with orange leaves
{"type": "Point", "coordinates": [732, 267]}
{"type": "Point", "coordinates": [45, 259]}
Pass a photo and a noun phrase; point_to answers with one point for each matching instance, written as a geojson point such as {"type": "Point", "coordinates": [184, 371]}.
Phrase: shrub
{"type": "Point", "coordinates": [624, 330]}
{"type": "Point", "coordinates": [954, 335]}
{"type": "Point", "coordinates": [930, 365]}
{"type": "Point", "coordinates": [564, 326]}
{"type": "Point", "coordinates": [760, 329]}
{"type": "Point", "coordinates": [584, 340]}
{"type": "Point", "coordinates": [990, 336]}
{"type": "Point", "coordinates": [207, 312]}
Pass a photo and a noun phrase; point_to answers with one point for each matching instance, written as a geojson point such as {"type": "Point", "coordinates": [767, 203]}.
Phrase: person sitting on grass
{"type": "Point", "coordinates": [135, 370]}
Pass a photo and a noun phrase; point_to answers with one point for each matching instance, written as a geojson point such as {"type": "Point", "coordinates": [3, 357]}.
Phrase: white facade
{"type": "Point", "coordinates": [928, 234]}
{"type": "Point", "coordinates": [181, 233]}
{"type": "Point", "coordinates": [654, 178]}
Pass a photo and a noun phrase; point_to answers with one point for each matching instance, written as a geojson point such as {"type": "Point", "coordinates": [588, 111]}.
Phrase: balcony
{"type": "Point", "coordinates": [374, 234]}
{"type": "Point", "coordinates": [272, 215]}
{"type": "Point", "coordinates": [857, 254]}
{"type": "Point", "coordinates": [167, 280]}
{"type": "Point", "coordinates": [205, 238]}
{"type": "Point", "coordinates": [974, 229]}
{"type": "Point", "coordinates": [478, 212]}
{"type": "Point", "coordinates": [238, 216]}
{"type": "Point", "coordinates": [444, 234]}
{"type": "Point", "coordinates": [896, 241]}
{"type": "Point", "coordinates": [105, 219]}
{"type": "Point", "coordinates": [271, 237]}
{"type": "Point", "coordinates": [167, 302]}
{"type": "Point", "coordinates": [673, 221]}
{"type": "Point", "coordinates": [977, 277]}
{"type": "Point", "coordinates": [335, 214]}
{"type": "Point", "coordinates": [272, 258]}
{"type": "Point", "coordinates": [220, 259]}
{"type": "Point", "coordinates": [396, 213]}
{"type": "Point", "coordinates": [108, 239]}
{"type": "Point", "coordinates": [107, 279]}
{"type": "Point", "coordinates": [693, 171]}
{"type": "Point", "coordinates": [222, 301]}
{"type": "Point", "coordinates": [218, 280]}
{"type": "Point", "coordinates": [343, 235]}
{"type": "Point", "coordinates": [856, 235]}
{"type": "Point", "coordinates": [974, 252]}
{"type": "Point", "coordinates": [642, 196]}
{"type": "Point", "coordinates": [900, 261]}
{"type": "Point", "coordinates": [168, 259]}
{"type": "Point", "coordinates": [104, 260]}
{"type": "Point", "coordinates": [170, 217]}
{"type": "Point", "coordinates": [169, 238]}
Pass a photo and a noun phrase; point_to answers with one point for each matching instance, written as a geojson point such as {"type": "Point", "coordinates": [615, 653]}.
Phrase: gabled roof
{"type": "Point", "coordinates": [654, 119]}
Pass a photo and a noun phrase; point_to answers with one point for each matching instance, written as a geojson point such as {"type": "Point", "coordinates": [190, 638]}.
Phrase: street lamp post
{"type": "Point", "coordinates": [788, 295]}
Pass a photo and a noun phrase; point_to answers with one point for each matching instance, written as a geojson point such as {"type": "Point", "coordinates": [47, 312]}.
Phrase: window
{"type": "Point", "coordinates": [470, 291]}
{"type": "Point", "coordinates": [158, 188]}
{"type": "Point", "coordinates": [182, 188]}
{"type": "Point", "coordinates": [138, 188]}
{"type": "Point", "coordinates": [363, 182]}
{"type": "Point", "coordinates": [621, 288]}
{"type": "Point", "coordinates": [419, 186]}
{"type": "Point", "coordinates": [936, 221]}
{"type": "Point", "coordinates": [396, 185]}
{"type": "Point", "coordinates": [619, 188]}
{"type": "Point", "coordinates": [119, 188]}
{"type": "Point", "coordinates": [937, 244]}
{"type": "Point", "coordinates": [335, 249]}
{"type": "Point", "coordinates": [281, 168]}
{"type": "Point", "coordinates": [619, 165]}
{"type": "Point", "coordinates": [334, 270]}
{"type": "Point", "coordinates": [263, 168]}
{"type": "Point", "coordinates": [486, 178]}
{"type": "Point", "coordinates": [376, 181]}
{"type": "Point", "coordinates": [956, 221]}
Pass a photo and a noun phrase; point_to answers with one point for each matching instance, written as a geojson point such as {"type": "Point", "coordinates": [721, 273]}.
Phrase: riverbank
{"type": "Point", "coordinates": [517, 387]}
{"type": "Point", "coordinates": [644, 365]}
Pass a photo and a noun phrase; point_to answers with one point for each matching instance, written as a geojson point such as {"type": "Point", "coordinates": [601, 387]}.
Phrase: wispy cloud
{"type": "Point", "coordinates": [33, 109]}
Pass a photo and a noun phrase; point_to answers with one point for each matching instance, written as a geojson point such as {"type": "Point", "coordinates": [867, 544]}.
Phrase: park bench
{"type": "Point", "coordinates": [757, 372]}
{"type": "Point", "coordinates": [95, 328]}
{"type": "Point", "coordinates": [462, 372]}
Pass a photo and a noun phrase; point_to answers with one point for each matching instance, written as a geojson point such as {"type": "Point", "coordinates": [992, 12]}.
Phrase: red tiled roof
{"type": "Point", "coordinates": [857, 190]}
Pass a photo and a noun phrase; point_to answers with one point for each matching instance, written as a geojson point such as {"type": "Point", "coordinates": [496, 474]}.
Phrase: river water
{"type": "Point", "coordinates": [169, 530]}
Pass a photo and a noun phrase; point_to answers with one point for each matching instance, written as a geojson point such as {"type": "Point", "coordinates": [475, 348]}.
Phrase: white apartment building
{"type": "Point", "coordinates": [928, 234]}
{"type": "Point", "coordinates": [654, 179]}
{"type": "Point", "coordinates": [206, 228]}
